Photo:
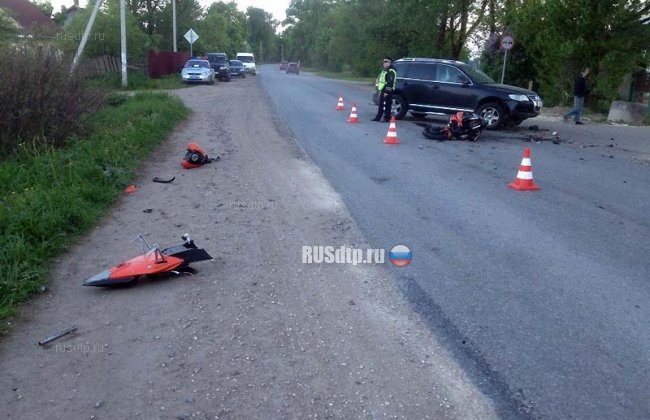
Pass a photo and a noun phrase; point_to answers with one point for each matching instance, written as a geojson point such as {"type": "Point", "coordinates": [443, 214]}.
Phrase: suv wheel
{"type": "Point", "coordinates": [492, 113]}
{"type": "Point", "coordinates": [399, 107]}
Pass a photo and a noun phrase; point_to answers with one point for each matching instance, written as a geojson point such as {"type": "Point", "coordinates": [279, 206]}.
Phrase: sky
{"type": "Point", "coordinates": [275, 7]}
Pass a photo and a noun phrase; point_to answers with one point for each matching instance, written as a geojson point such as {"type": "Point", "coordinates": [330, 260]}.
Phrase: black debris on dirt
{"type": "Point", "coordinates": [164, 180]}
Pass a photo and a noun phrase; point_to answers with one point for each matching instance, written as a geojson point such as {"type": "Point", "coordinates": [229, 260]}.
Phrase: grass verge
{"type": "Point", "coordinates": [138, 81]}
{"type": "Point", "coordinates": [343, 75]}
{"type": "Point", "coordinates": [53, 196]}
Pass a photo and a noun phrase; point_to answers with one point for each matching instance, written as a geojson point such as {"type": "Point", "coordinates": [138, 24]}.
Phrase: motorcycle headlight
{"type": "Point", "coordinates": [518, 98]}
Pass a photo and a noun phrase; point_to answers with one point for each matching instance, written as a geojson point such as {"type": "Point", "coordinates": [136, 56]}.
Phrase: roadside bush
{"type": "Point", "coordinates": [42, 103]}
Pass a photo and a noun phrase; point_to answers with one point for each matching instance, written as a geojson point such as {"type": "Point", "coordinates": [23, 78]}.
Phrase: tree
{"type": "Point", "coordinates": [188, 13]}
{"type": "Point", "coordinates": [560, 36]}
{"type": "Point", "coordinates": [45, 6]}
{"type": "Point", "coordinates": [148, 14]}
{"type": "Point", "coordinates": [261, 33]}
{"type": "Point", "coordinates": [223, 28]}
{"type": "Point", "coordinates": [105, 36]}
{"type": "Point", "coordinates": [61, 16]}
{"type": "Point", "coordinates": [8, 28]}
{"type": "Point", "coordinates": [323, 31]}
{"type": "Point", "coordinates": [458, 20]}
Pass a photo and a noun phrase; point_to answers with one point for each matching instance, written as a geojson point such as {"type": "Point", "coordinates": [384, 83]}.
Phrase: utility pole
{"type": "Point", "coordinates": [123, 36]}
{"type": "Point", "coordinates": [84, 38]}
{"type": "Point", "coordinates": [282, 52]}
{"type": "Point", "coordinates": [174, 23]}
{"type": "Point", "coordinates": [261, 51]}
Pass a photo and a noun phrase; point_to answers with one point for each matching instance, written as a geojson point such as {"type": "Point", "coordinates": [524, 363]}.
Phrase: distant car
{"type": "Point", "coordinates": [237, 68]}
{"type": "Point", "coordinates": [293, 68]}
{"type": "Point", "coordinates": [219, 62]}
{"type": "Point", "coordinates": [197, 71]}
{"type": "Point", "coordinates": [249, 62]}
{"type": "Point", "coordinates": [283, 65]}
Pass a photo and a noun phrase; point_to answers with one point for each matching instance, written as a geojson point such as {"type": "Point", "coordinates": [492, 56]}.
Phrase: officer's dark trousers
{"type": "Point", "coordinates": [385, 103]}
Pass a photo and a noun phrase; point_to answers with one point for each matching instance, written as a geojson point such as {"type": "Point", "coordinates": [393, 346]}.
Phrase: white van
{"type": "Point", "coordinates": [249, 62]}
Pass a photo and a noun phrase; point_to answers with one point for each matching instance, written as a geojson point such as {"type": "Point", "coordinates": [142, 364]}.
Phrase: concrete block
{"type": "Point", "coordinates": [629, 112]}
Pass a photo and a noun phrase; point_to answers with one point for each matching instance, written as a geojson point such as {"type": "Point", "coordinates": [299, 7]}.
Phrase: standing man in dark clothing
{"type": "Point", "coordinates": [580, 91]}
{"type": "Point", "coordinates": [386, 85]}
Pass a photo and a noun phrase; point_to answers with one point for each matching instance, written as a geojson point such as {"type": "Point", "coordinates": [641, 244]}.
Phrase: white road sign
{"type": "Point", "coordinates": [507, 42]}
{"type": "Point", "coordinates": [191, 36]}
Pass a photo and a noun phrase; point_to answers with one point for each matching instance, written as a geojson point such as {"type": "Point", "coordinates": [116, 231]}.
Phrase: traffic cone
{"type": "Point", "coordinates": [391, 136]}
{"type": "Point", "coordinates": [524, 180]}
{"type": "Point", "coordinates": [354, 118]}
{"type": "Point", "coordinates": [340, 106]}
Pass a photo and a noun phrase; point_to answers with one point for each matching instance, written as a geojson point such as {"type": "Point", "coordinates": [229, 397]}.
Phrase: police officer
{"type": "Point", "coordinates": [385, 85]}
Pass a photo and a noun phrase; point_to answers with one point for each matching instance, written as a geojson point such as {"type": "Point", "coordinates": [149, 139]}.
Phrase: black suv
{"type": "Point", "coordinates": [219, 62]}
{"type": "Point", "coordinates": [434, 86]}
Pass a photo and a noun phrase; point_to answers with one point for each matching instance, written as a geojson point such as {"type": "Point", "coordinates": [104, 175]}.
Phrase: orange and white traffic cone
{"type": "Point", "coordinates": [354, 118]}
{"type": "Point", "coordinates": [524, 180]}
{"type": "Point", "coordinates": [340, 106]}
{"type": "Point", "coordinates": [391, 136]}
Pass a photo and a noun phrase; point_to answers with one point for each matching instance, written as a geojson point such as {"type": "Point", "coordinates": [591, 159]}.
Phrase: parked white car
{"type": "Point", "coordinates": [249, 62]}
{"type": "Point", "coordinates": [197, 71]}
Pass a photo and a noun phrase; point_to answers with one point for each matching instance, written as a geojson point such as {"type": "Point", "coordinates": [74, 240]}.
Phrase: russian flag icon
{"type": "Point", "coordinates": [400, 255]}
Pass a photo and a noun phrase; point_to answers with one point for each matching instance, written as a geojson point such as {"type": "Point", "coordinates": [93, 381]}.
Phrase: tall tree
{"type": "Point", "coordinates": [45, 6]}
{"type": "Point", "coordinates": [222, 28]}
{"type": "Point", "coordinates": [8, 28]}
{"type": "Point", "coordinates": [148, 13]}
{"type": "Point", "coordinates": [188, 14]}
{"type": "Point", "coordinates": [261, 32]}
{"type": "Point", "coordinates": [105, 36]}
{"type": "Point", "coordinates": [561, 36]}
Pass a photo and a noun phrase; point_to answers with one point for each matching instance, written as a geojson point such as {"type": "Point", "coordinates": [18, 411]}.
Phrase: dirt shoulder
{"type": "Point", "coordinates": [253, 334]}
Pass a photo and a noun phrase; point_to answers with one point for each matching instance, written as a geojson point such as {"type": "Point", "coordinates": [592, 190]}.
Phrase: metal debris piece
{"type": "Point", "coordinates": [57, 335]}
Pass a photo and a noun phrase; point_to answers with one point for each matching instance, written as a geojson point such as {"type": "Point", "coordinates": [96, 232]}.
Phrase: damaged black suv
{"type": "Point", "coordinates": [433, 86]}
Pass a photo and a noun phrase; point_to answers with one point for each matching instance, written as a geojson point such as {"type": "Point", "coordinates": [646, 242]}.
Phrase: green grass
{"type": "Point", "coordinates": [138, 81]}
{"type": "Point", "coordinates": [343, 75]}
{"type": "Point", "coordinates": [51, 197]}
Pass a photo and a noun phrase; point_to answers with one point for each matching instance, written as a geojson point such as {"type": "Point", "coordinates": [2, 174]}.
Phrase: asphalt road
{"type": "Point", "coordinates": [542, 297]}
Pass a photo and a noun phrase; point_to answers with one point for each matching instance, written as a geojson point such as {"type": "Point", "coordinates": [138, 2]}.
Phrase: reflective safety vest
{"type": "Point", "coordinates": [382, 79]}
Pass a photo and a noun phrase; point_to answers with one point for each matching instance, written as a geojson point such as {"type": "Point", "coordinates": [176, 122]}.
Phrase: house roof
{"type": "Point", "coordinates": [28, 16]}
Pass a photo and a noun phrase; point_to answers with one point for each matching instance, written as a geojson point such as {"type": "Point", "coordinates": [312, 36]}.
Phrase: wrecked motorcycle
{"type": "Point", "coordinates": [461, 126]}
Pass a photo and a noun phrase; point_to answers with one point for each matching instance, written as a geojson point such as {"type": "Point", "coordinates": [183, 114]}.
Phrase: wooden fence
{"type": "Point", "coordinates": [106, 64]}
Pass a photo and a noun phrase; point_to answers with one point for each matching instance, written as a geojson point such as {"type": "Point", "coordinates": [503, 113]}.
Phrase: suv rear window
{"type": "Point", "coordinates": [246, 59]}
{"type": "Point", "coordinates": [217, 58]}
{"type": "Point", "coordinates": [421, 71]}
{"type": "Point", "coordinates": [197, 63]}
